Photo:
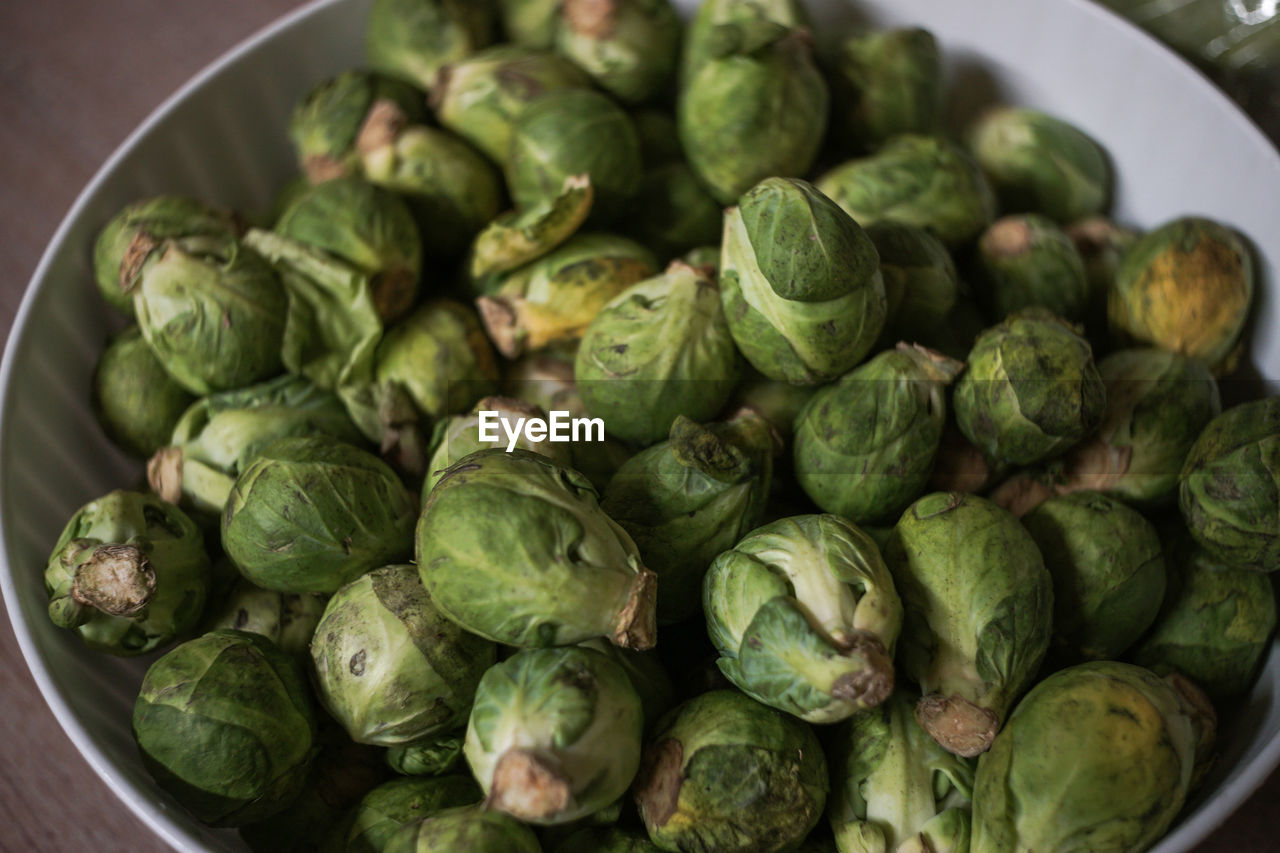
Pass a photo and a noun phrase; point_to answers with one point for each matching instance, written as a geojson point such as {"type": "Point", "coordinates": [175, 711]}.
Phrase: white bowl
{"type": "Point", "coordinates": [1179, 146]}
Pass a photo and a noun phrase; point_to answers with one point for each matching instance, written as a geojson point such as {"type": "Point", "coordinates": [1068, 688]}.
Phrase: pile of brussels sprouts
{"type": "Point", "coordinates": [919, 523]}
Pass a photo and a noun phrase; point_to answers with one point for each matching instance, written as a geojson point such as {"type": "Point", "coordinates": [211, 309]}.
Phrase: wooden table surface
{"type": "Point", "coordinates": [76, 76]}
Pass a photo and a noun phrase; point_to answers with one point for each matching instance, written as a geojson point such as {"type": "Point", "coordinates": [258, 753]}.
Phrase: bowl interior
{"type": "Point", "coordinates": [1177, 144]}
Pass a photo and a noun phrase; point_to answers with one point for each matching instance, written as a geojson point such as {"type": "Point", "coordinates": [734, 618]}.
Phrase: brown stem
{"type": "Point", "coordinates": [135, 255]}
{"type": "Point", "coordinates": [116, 579]}
{"type": "Point", "coordinates": [872, 684]}
{"type": "Point", "coordinates": [528, 786]}
{"type": "Point", "coordinates": [164, 474]}
{"type": "Point", "coordinates": [958, 725]}
{"type": "Point", "coordinates": [501, 321]}
{"type": "Point", "coordinates": [637, 624]}
{"type": "Point", "coordinates": [657, 786]}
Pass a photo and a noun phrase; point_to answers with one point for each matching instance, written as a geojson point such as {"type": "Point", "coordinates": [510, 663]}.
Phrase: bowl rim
{"type": "Point", "coordinates": [1227, 798]}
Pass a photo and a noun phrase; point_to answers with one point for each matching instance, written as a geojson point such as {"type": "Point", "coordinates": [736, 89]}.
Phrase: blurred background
{"type": "Point", "coordinates": [77, 76]}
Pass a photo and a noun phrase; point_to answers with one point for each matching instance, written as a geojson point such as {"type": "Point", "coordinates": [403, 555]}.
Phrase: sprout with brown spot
{"type": "Point", "coordinates": [389, 666]}
{"type": "Point", "coordinates": [1186, 286]}
{"type": "Point", "coordinates": [550, 302]}
{"type": "Point", "coordinates": [691, 791]}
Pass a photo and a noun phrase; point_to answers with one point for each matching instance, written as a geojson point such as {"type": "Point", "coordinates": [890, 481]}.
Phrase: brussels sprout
{"type": "Point", "coordinates": [1229, 488]}
{"type": "Point", "coordinates": [1041, 164]}
{"type": "Point", "coordinates": [414, 39]}
{"type": "Point", "coordinates": [518, 237]}
{"type": "Point", "coordinates": [516, 548]}
{"type": "Point", "coordinates": [887, 83]}
{"type": "Point", "coordinates": [1215, 623]}
{"type": "Point", "coordinates": [480, 98]}
{"type": "Point", "coordinates": [594, 839]}
{"type": "Point", "coordinates": [347, 113]}
{"type": "Point", "coordinates": [386, 809]}
{"type": "Point", "coordinates": [920, 282]}
{"type": "Point", "coordinates": [530, 23]}
{"type": "Point", "coordinates": [332, 324]}
{"type": "Point", "coordinates": [551, 301]}
{"type": "Point", "coordinates": [435, 756]}
{"type": "Point", "coordinates": [129, 574]}
{"type": "Point", "coordinates": [286, 619]}
{"type": "Point", "coordinates": [726, 773]}
{"type": "Point", "coordinates": [865, 445]}
{"type": "Point", "coordinates": [461, 435]}
{"type": "Point", "coordinates": [672, 212]}
{"type": "Point", "coordinates": [225, 725]}
{"type": "Point", "coordinates": [978, 604]}
{"type": "Point", "coordinates": [757, 107]}
{"type": "Point", "coordinates": [1031, 389]}
{"type": "Point", "coordinates": [367, 227]}
{"type": "Point", "coordinates": [801, 282]}
{"type": "Point", "coordinates": [469, 828]}
{"type": "Point", "coordinates": [311, 514]}
{"type": "Point", "coordinates": [440, 356]}
{"type": "Point", "coordinates": [629, 47]}
{"type": "Point", "coordinates": [127, 240]}
{"type": "Point", "coordinates": [660, 349]}
{"type": "Point", "coordinates": [1158, 402]}
{"type": "Point", "coordinates": [894, 788]}
{"type": "Point", "coordinates": [1097, 757]}
{"type": "Point", "coordinates": [136, 401]}
{"type": "Point", "coordinates": [389, 667]}
{"type": "Point", "coordinates": [222, 433]}
{"type": "Point", "coordinates": [451, 188]}
{"type": "Point", "coordinates": [1027, 260]}
{"type": "Point", "coordinates": [554, 734]}
{"type": "Point", "coordinates": [805, 617]}
{"type": "Point", "coordinates": [570, 132]}
{"type": "Point", "coordinates": [212, 310]}
{"type": "Point", "coordinates": [1187, 286]}
{"type": "Point", "coordinates": [1108, 572]}
{"type": "Point", "coordinates": [924, 181]}
{"type": "Point", "coordinates": [685, 500]}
